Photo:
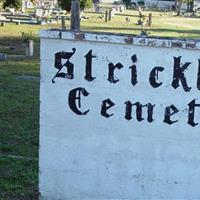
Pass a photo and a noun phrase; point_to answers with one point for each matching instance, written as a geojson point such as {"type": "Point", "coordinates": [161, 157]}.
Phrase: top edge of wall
{"type": "Point", "coordinates": [120, 39]}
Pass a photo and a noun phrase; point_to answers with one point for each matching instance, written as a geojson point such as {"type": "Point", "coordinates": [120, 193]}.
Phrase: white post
{"type": "Point", "coordinates": [30, 48]}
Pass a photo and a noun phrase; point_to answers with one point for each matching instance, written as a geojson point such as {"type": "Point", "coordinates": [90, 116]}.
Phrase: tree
{"type": "Point", "coordinates": [179, 7]}
{"type": "Point", "coordinates": [127, 3]}
{"type": "Point", "coordinates": [17, 4]}
{"type": "Point", "coordinates": [190, 5]}
{"type": "Point", "coordinates": [66, 4]}
{"type": "Point", "coordinates": [1, 4]}
{"type": "Point", "coordinates": [86, 4]}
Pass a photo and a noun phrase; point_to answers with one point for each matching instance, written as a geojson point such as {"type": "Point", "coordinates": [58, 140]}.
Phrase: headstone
{"type": "Point", "coordinates": [2, 56]}
{"type": "Point", "coordinates": [63, 23]}
{"type": "Point", "coordinates": [150, 19]}
{"type": "Point", "coordinates": [17, 22]}
{"type": "Point", "coordinates": [30, 48]}
{"type": "Point", "coordinates": [110, 15]}
{"type": "Point", "coordinates": [3, 23]}
{"type": "Point", "coordinates": [45, 13]}
{"type": "Point", "coordinates": [38, 13]}
{"type": "Point", "coordinates": [106, 16]}
{"type": "Point", "coordinates": [127, 19]}
{"type": "Point", "coordinates": [75, 15]}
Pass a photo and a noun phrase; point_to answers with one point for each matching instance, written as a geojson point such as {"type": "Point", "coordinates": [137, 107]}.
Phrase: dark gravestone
{"type": "Point", "coordinates": [75, 15]}
{"type": "Point", "coordinates": [109, 15]}
{"type": "Point", "coordinates": [150, 19]}
{"type": "Point", "coordinates": [106, 16]}
{"type": "Point", "coordinates": [2, 56]}
{"type": "Point", "coordinates": [63, 23]}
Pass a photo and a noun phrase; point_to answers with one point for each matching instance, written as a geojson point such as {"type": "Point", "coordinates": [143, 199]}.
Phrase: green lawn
{"type": "Point", "coordinates": [19, 89]}
{"type": "Point", "coordinates": [19, 93]}
{"type": "Point", "coordinates": [163, 24]}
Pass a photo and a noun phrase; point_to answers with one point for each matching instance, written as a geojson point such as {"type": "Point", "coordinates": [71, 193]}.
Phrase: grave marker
{"type": "Point", "coordinates": [75, 15]}
{"type": "Point", "coordinates": [150, 19]}
{"type": "Point", "coordinates": [63, 23]}
{"type": "Point", "coordinates": [106, 16]}
{"type": "Point", "coordinates": [110, 15]}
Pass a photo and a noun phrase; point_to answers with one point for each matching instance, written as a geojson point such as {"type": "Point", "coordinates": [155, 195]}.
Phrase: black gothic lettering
{"type": "Point", "coordinates": [58, 64]}
{"type": "Point", "coordinates": [179, 74]}
{"type": "Point", "coordinates": [88, 67]}
{"type": "Point", "coordinates": [111, 68]}
{"type": "Point", "coordinates": [128, 113]}
{"type": "Point", "coordinates": [198, 76]}
{"type": "Point", "coordinates": [168, 114]}
{"type": "Point", "coordinates": [133, 70]}
{"type": "Point", "coordinates": [74, 100]}
{"type": "Point", "coordinates": [106, 104]}
{"type": "Point", "coordinates": [191, 113]}
{"type": "Point", "coordinates": [153, 77]}
{"type": "Point", "coordinates": [139, 106]}
{"type": "Point", "coordinates": [150, 112]}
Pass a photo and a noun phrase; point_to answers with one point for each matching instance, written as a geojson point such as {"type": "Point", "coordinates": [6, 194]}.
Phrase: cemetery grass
{"type": "Point", "coordinates": [164, 24]}
{"type": "Point", "coordinates": [11, 41]}
{"type": "Point", "coordinates": [19, 116]}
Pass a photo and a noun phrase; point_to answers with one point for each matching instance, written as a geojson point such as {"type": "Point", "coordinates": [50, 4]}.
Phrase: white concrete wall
{"type": "Point", "coordinates": [93, 157]}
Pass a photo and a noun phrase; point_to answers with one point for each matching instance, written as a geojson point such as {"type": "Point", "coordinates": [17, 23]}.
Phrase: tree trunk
{"type": "Point", "coordinates": [176, 3]}
{"type": "Point", "coordinates": [191, 6]}
{"type": "Point", "coordinates": [188, 6]}
{"type": "Point", "coordinates": [179, 8]}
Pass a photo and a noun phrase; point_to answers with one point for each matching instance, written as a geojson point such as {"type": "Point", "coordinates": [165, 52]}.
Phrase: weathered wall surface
{"type": "Point", "coordinates": [94, 143]}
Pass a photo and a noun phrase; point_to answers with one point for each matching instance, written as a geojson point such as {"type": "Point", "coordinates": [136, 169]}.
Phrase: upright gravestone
{"type": "Point", "coordinates": [2, 23]}
{"type": "Point", "coordinates": [106, 16]}
{"type": "Point", "coordinates": [30, 48]}
{"type": "Point", "coordinates": [119, 117]}
{"type": "Point", "coordinates": [149, 19]}
{"type": "Point", "coordinates": [2, 56]}
{"type": "Point", "coordinates": [63, 23]}
{"type": "Point", "coordinates": [75, 15]}
{"type": "Point", "coordinates": [109, 15]}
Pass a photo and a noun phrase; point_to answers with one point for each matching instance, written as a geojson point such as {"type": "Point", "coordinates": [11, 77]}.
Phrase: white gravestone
{"type": "Point", "coordinates": [119, 117]}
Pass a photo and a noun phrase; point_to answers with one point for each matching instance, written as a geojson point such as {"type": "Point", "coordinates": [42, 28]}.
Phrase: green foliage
{"type": "Point", "coordinates": [66, 4]}
{"type": "Point", "coordinates": [1, 4]}
{"type": "Point", "coordinates": [127, 3]}
{"type": "Point", "coordinates": [19, 116]}
{"type": "Point", "coordinates": [86, 4]}
{"type": "Point", "coordinates": [19, 179]}
{"type": "Point", "coordinates": [28, 36]}
{"type": "Point", "coordinates": [17, 4]}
